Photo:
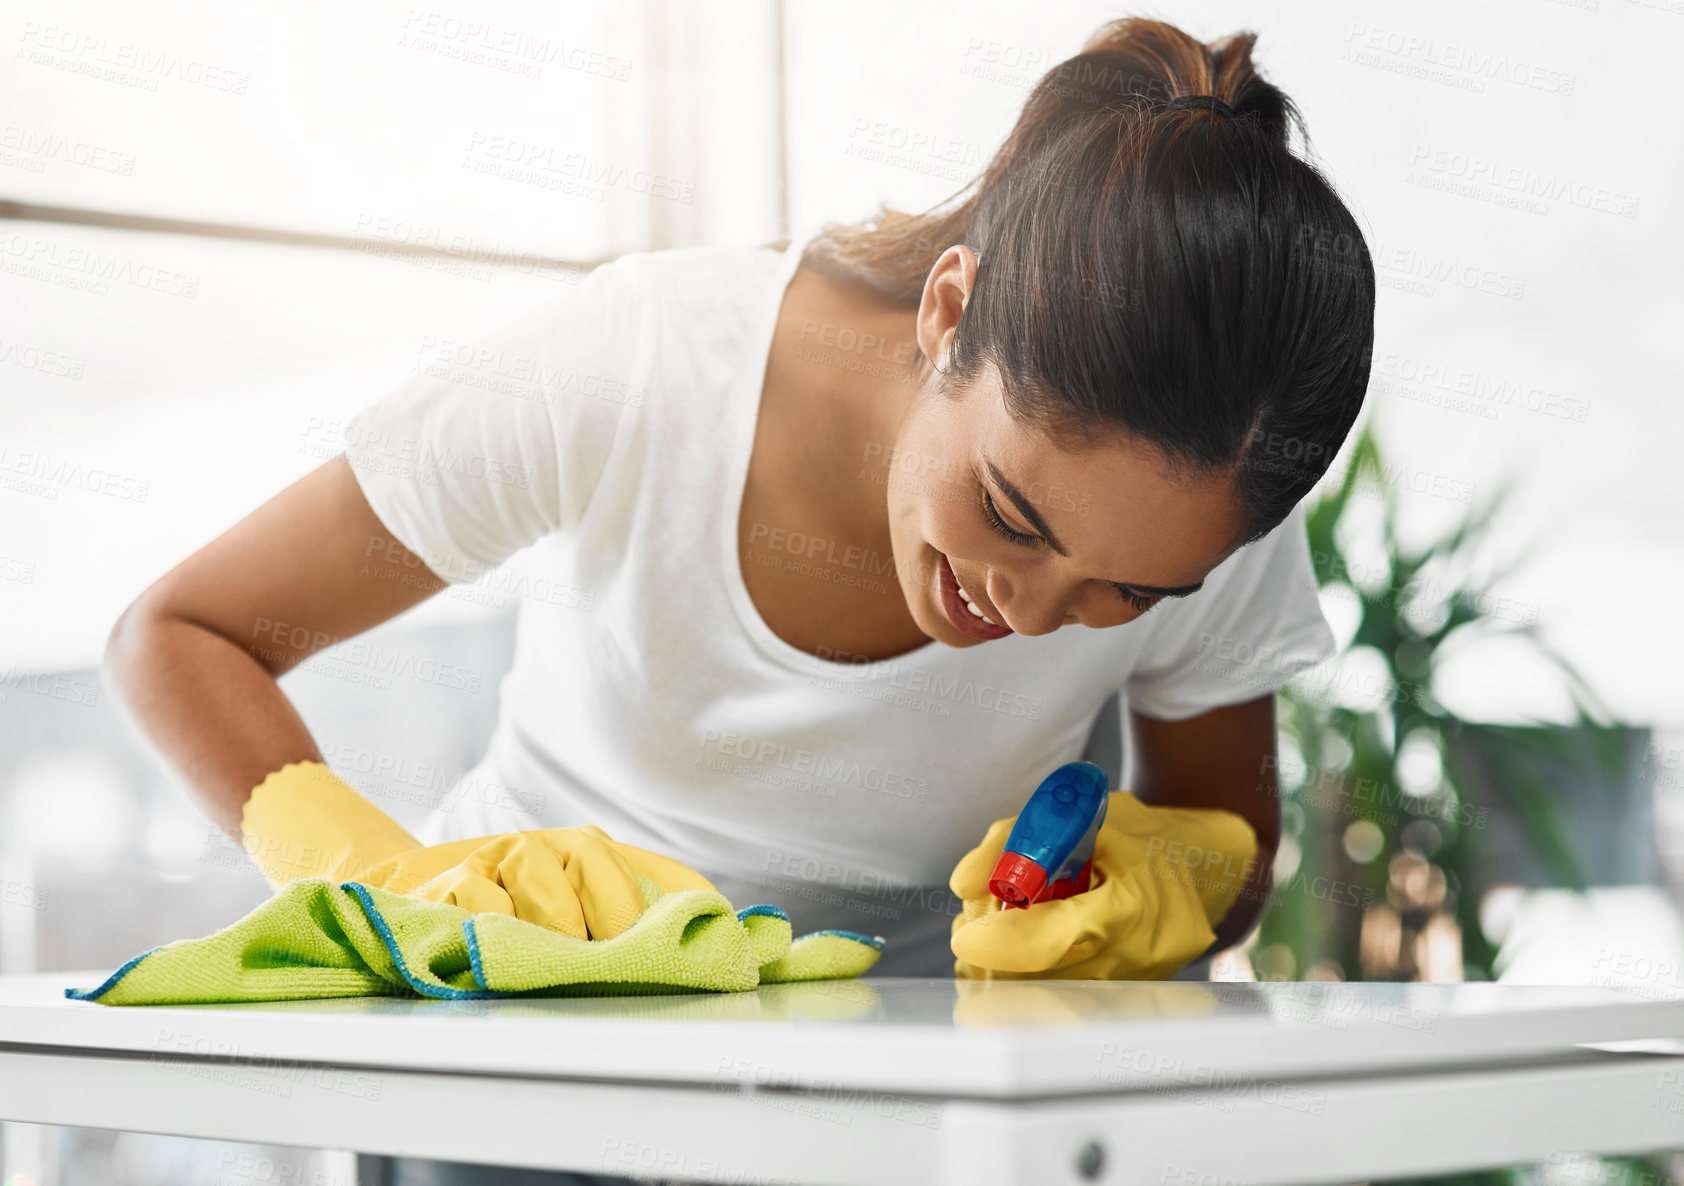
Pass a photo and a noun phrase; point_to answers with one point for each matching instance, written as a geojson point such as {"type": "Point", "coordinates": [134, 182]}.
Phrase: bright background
{"type": "Point", "coordinates": [357, 124]}
{"type": "Point", "coordinates": [482, 127]}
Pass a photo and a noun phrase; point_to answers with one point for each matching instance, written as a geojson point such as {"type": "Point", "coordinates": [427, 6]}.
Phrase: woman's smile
{"type": "Point", "coordinates": [956, 605]}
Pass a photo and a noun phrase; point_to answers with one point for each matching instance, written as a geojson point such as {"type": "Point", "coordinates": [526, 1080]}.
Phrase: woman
{"type": "Point", "coordinates": [845, 544]}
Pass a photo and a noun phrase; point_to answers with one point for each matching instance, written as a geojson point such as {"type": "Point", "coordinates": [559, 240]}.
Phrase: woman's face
{"type": "Point", "coordinates": [1034, 535]}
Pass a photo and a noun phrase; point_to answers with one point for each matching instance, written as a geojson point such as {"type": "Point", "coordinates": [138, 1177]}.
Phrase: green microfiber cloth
{"type": "Point", "coordinates": [316, 938]}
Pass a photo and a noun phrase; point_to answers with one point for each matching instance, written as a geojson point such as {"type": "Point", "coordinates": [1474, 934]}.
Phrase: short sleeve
{"type": "Point", "coordinates": [497, 441]}
{"type": "Point", "coordinates": [1256, 624]}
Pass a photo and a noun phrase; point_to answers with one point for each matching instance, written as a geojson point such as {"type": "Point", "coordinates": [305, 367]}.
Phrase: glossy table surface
{"type": "Point", "coordinates": [885, 1081]}
{"type": "Point", "coordinates": [970, 1039]}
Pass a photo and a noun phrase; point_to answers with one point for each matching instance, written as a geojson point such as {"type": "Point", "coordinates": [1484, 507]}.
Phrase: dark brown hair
{"type": "Point", "coordinates": [1153, 262]}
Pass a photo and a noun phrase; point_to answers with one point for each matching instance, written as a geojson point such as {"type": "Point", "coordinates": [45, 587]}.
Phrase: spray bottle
{"type": "Point", "coordinates": [1049, 854]}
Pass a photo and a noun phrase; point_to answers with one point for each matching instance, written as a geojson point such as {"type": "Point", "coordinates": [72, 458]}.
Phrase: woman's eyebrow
{"type": "Point", "coordinates": [1028, 511]}
{"type": "Point", "coordinates": [1024, 507]}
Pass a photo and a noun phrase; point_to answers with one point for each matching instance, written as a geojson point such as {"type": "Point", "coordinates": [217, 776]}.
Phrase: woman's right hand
{"type": "Point", "coordinates": [578, 881]}
{"type": "Point", "coordinates": [305, 821]}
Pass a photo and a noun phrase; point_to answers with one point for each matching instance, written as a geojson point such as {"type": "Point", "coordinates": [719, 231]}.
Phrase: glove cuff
{"type": "Point", "coordinates": [1212, 851]}
{"type": "Point", "coordinates": [303, 820]}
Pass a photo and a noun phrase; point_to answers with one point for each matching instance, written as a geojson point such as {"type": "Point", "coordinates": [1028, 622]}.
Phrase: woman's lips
{"type": "Point", "coordinates": [954, 607]}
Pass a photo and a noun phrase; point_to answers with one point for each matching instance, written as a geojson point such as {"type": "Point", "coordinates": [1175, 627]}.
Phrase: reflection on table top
{"type": "Point", "coordinates": [969, 1038]}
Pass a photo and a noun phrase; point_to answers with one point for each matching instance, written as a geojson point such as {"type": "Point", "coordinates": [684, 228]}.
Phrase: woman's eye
{"type": "Point", "coordinates": [1135, 599]}
{"type": "Point", "coordinates": [1000, 525]}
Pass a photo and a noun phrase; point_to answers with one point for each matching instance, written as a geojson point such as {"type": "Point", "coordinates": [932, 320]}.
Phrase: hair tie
{"type": "Point", "coordinates": [1208, 103]}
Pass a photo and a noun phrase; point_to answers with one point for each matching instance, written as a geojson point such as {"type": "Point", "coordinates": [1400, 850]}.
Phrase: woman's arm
{"type": "Point", "coordinates": [1225, 759]}
{"type": "Point", "coordinates": [195, 658]}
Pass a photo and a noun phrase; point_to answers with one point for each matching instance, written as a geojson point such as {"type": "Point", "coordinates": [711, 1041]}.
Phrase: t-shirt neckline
{"type": "Point", "coordinates": [751, 387]}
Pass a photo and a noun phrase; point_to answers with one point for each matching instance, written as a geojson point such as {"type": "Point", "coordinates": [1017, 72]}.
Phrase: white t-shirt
{"type": "Point", "coordinates": [610, 431]}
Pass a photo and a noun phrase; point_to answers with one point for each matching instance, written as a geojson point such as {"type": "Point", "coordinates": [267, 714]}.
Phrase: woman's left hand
{"type": "Point", "coordinates": [1165, 878]}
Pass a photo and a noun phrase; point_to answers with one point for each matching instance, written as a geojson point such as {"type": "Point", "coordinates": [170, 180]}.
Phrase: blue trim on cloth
{"type": "Point", "coordinates": [445, 992]}
{"type": "Point", "coordinates": [93, 994]}
{"type": "Point", "coordinates": [378, 921]}
{"type": "Point", "coordinates": [869, 940]}
{"type": "Point", "coordinates": [473, 954]}
{"type": "Point", "coordinates": [762, 908]}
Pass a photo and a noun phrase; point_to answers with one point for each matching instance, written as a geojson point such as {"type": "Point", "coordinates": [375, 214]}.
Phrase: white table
{"type": "Point", "coordinates": [885, 1080]}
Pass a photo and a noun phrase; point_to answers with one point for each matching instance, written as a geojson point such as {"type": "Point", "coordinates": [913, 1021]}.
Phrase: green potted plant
{"type": "Point", "coordinates": [1397, 813]}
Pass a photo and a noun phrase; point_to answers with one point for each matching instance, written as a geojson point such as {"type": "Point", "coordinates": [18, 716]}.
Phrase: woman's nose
{"type": "Point", "coordinates": [1026, 610]}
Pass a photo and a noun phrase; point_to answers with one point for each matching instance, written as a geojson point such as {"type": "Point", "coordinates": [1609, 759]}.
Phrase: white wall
{"type": "Point", "coordinates": [154, 388]}
{"type": "Point", "coordinates": [578, 130]}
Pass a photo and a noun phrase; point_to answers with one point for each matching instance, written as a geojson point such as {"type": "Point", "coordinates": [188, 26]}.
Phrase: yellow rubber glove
{"type": "Point", "coordinates": [1165, 876]}
{"type": "Point", "coordinates": [304, 821]}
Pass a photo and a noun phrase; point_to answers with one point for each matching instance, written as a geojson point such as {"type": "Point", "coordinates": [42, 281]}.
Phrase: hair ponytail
{"type": "Point", "coordinates": [1167, 268]}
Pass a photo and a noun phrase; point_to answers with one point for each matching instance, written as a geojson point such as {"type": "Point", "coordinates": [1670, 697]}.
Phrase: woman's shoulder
{"type": "Point", "coordinates": [674, 315]}
{"type": "Point", "coordinates": [702, 278]}
{"type": "Point", "coordinates": [697, 313]}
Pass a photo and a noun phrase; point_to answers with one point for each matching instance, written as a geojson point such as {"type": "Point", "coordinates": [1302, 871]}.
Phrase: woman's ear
{"type": "Point", "coordinates": [947, 289]}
